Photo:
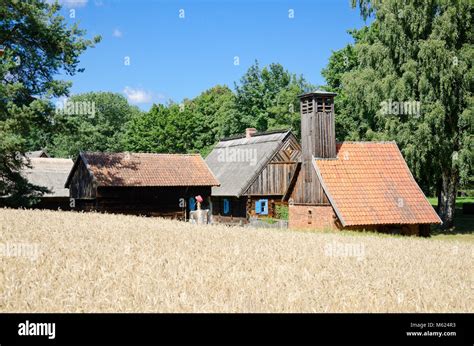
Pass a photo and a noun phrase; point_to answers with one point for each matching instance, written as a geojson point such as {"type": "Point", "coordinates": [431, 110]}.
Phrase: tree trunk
{"type": "Point", "coordinates": [447, 198]}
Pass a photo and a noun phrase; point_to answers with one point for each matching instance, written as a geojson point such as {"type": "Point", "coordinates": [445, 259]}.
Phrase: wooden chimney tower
{"type": "Point", "coordinates": [318, 139]}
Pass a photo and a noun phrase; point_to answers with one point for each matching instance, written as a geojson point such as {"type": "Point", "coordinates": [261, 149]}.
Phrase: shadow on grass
{"type": "Point", "coordinates": [463, 224]}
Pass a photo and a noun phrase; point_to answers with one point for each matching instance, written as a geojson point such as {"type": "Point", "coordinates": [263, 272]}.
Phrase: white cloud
{"type": "Point", "coordinates": [138, 95]}
{"type": "Point", "coordinates": [117, 33]}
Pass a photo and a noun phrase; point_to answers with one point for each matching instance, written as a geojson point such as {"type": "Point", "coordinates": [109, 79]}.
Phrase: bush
{"type": "Point", "coordinates": [282, 212]}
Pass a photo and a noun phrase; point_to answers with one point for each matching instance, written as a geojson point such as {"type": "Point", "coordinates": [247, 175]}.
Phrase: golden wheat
{"type": "Point", "coordinates": [104, 263]}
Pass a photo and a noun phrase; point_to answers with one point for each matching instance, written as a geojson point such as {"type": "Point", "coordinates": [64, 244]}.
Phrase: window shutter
{"type": "Point", "coordinates": [258, 206]}
{"type": "Point", "coordinates": [192, 203]}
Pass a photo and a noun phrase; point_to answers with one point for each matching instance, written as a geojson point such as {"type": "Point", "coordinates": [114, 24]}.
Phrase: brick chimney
{"type": "Point", "coordinates": [249, 132]}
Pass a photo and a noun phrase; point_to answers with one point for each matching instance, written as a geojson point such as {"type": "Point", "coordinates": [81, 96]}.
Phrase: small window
{"type": "Point", "coordinates": [261, 207]}
{"type": "Point", "coordinates": [226, 206]}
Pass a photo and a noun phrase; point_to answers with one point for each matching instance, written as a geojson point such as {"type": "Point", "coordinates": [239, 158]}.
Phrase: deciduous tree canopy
{"type": "Point", "coordinates": [37, 44]}
{"type": "Point", "coordinates": [409, 78]}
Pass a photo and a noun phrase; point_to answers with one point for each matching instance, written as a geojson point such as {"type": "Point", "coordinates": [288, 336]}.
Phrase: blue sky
{"type": "Point", "coordinates": [176, 58]}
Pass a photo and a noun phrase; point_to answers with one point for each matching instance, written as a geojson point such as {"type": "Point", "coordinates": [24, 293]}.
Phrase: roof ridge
{"type": "Point", "coordinates": [365, 142]}
{"type": "Point", "coordinates": [141, 153]}
{"type": "Point", "coordinates": [257, 134]}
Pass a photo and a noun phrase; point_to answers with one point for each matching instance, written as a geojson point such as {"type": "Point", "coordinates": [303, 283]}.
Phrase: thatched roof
{"type": "Point", "coordinates": [237, 161]}
{"type": "Point", "coordinates": [50, 173]}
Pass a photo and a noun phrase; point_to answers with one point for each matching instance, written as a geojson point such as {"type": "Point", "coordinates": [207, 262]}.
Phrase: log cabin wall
{"type": "Point", "coordinates": [237, 206]}
{"type": "Point", "coordinates": [273, 203]}
{"type": "Point", "coordinates": [140, 184]}
{"type": "Point", "coordinates": [52, 203]}
{"type": "Point", "coordinates": [152, 201]}
{"type": "Point", "coordinates": [237, 212]}
{"type": "Point", "coordinates": [149, 201]}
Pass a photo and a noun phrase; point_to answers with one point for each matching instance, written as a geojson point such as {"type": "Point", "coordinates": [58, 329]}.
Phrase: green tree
{"type": "Point", "coordinates": [191, 126]}
{"type": "Point", "coordinates": [349, 125]}
{"type": "Point", "coordinates": [37, 44]}
{"type": "Point", "coordinates": [213, 117]}
{"type": "Point", "coordinates": [161, 130]}
{"type": "Point", "coordinates": [414, 51]}
{"type": "Point", "coordinates": [92, 121]}
{"type": "Point", "coordinates": [268, 98]}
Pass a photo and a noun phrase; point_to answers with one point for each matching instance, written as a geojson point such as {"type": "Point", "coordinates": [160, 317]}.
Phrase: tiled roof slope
{"type": "Point", "coordinates": [141, 169]}
{"type": "Point", "coordinates": [370, 184]}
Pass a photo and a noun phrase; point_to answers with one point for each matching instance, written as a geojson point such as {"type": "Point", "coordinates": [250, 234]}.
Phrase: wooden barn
{"type": "Point", "coordinates": [51, 173]}
{"type": "Point", "coordinates": [141, 184]}
{"type": "Point", "coordinates": [255, 171]}
{"type": "Point", "coordinates": [353, 185]}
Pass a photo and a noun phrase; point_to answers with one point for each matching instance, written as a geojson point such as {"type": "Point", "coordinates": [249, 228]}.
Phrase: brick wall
{"type": "Point", "coordinates": [311, 217]}
{"type": "Point", "coordinates": [323, 217]}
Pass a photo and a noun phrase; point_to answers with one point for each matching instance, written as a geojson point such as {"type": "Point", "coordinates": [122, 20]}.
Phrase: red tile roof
{"type": "Point", "coordinates": [370, 184]}
{"type": "Point", "coordinates": [131, 169]}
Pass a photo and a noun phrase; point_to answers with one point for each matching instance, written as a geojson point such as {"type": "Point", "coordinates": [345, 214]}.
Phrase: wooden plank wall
{"type": "Point", "coordinates": [318, 139]}
{"type": "Point", "coordinates": [308, 189]}
{"type": "Point", "coordinates": [82, 185]}
{"type": "Point", "coordinates": [275, 177]}
{"type": "Point", "coordinates": [273, 180]}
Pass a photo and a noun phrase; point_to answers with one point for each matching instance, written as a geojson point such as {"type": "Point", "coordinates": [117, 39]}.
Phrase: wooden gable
{"type": "Point", "coordinates": [303, 193]}
{"type": "Point", "coordinates": [275, 177]}
{"type": "Point", "coordinates": [82, 185]}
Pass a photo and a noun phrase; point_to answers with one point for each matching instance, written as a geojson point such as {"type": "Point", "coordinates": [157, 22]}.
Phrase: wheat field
{"type": "Point", "coordinates": [53, 261]}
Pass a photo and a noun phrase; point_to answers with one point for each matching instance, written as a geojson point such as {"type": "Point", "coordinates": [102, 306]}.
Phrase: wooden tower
{"type": "Point", "coordinates": [318, 139]}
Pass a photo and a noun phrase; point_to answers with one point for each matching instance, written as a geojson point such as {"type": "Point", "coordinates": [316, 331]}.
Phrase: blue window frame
{"type": "Point", "coordinates": [261, 207]}
{"type": "Point", "coordinates": [226, 207]}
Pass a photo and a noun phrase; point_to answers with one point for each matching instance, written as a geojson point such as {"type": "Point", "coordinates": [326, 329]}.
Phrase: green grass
{"type": "Point", "coordinates": [463, 224]}
{"type": "Point", "coordinates": [459, 201]}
